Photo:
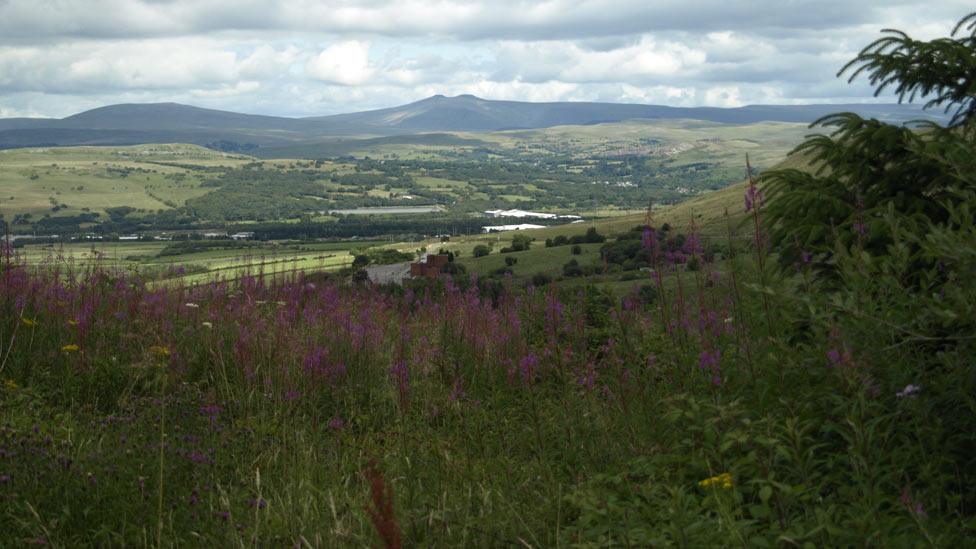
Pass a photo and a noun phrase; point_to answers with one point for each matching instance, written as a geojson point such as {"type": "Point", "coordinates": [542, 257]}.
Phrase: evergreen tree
{"type": "Point", "coordinates": [867, 169]}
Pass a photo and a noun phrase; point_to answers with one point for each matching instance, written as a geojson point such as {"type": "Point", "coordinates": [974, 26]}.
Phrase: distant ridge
{"type": "Point", "coordinates": [128, 124]}
{"type": "Point", "coordinates": [470, 113]}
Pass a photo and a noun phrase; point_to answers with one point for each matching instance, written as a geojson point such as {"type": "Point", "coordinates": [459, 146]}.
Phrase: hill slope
{"type": "Point", "coordinates": [470, 113]}
{"type": "Point", "coordinates": [171, 122]}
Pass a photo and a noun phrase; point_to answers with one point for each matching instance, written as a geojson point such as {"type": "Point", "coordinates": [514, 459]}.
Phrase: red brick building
{"type": "Point", "coordinates": [429, 267]}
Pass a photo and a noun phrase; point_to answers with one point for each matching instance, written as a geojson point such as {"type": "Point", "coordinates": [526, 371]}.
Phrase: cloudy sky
{"type": "Point", "coordinates": [305, 57]}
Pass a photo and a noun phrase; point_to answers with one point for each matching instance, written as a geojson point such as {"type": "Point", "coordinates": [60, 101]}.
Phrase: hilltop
{"type": "Point", "coordinates": [129, 124]}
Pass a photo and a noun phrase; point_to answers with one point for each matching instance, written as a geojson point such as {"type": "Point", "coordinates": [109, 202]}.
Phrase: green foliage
{"type": "Point", "coordinates": [863, 168]}
{"type": "Point", "coordinates": [481, 250]}
{"type": "Point", "coordinates": [941, 70]}
{"type": "Point", "coordinates": [572, 268]}
{"type": "Point", "coordinates": [387, 256]}
{"type": "Point", "coordinates": [593, 237]}
{"type": "Point", "coordinates": [520, 243]}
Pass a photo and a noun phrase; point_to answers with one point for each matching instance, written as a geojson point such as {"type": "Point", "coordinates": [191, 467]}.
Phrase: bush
{"type": "Point", "coordinates": [481, 250]}
{"type": "Point", "coordinates": [454, 268]}
{"type": "Point", "coordinates": [541, 279]}
{"type": "Point", "coordinates": [593, 237]}
{"type": "Point", "coordinates": [360, 276]}
{"type": "Point", "coordinates": [572, 269]}
{"type": "Point", "coordinates": [521, 243]}
{"type": "Point", "coordinates": [511, 261]}
{"type": "Point", "coordinates": [576, 249]}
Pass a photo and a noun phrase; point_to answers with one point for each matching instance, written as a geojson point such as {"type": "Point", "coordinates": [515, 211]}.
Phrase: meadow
{"type": "Point", "coordinates": [162, 262]}
{"type": "Point", "coordinates": [734, 407]}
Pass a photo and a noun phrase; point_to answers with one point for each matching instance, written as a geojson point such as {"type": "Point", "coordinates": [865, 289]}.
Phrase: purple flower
{"type": "Point", "coordinates": [401, 376]}
{"type": "Point", "coordinates": [833, 355]}
{"type": "Point", "coordinates": [336, 423]}
{"type": "Point", "coordinates": [754, 198]}
{"type": "Point", "coordinates": [457, 392]}
{"type": "Point", "coordinates": [212, 411]}
{"type": "Point", "coordinates": [708, 360]}
{"type": "Point", "coordinates": [527, 367]}
{"type": "Point", "coordinates": [911, 504]}
{"type": "Point", "coordinates": [198, 457]}
{"type": "Point", "coordinates": [649, 239]}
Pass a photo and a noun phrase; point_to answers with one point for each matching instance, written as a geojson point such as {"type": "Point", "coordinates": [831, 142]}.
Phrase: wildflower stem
{"type": "Point", "coordinates": [162, 434]}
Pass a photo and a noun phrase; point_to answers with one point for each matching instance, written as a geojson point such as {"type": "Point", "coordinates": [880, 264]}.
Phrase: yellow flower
{"type": "Point", "coordinates": [70, 348]}
{"type": "Point", "coordinates": [72, 322]}
{"type": "Point", "coordinates": [28, 322]}
{"type": "Point", "coordinates": [724, 480]}
{"type": "Point", "coordinates": [159, 351]}
{"type": "Point", "coordinates": [10, 384]}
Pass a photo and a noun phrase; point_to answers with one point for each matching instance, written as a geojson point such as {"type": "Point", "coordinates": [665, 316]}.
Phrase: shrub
{"type": "Point", "coordinates": [593, 237]}
{"type": "Point", "coordinates": [572, 269]}
{"type": "Point", "coordinates": [480, 250]}
{"type": "Point", "coordinates": [541, 279]}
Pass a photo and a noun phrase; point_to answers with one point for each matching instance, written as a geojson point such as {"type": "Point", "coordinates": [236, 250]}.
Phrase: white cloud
{"type": "Point", "coordinates": [343, 63]}
{"type": "Point", "coordinates": [723, 96]}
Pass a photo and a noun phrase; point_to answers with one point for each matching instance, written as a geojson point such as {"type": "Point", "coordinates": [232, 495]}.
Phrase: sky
{"type": "Point", "coordinates": [307, 58]}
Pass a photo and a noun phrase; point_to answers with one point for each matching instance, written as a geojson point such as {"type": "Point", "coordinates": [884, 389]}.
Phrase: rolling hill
{"type": "Point", "coordinates": [470, 113]}
{"type": "Point", "coordinates": [130, 124]}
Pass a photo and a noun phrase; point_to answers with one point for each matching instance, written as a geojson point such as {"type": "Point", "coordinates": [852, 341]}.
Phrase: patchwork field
{"type": "Point", "coordinates": [152, 260]}
{"type": "Point", "coordinates": [599, 170]}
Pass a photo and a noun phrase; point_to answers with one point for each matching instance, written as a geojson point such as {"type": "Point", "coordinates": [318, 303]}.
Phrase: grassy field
{"type": "Point", "coordinates": [271, 259]}
{"type": "Point", "coordinates": [90, 179]}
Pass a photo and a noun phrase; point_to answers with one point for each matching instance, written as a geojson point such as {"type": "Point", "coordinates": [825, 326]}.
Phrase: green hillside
{"type": "Point", "coordinates": [79, 180]}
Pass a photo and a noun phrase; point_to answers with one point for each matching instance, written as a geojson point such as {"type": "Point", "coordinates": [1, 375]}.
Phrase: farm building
{"type": "Point", "coordinates": [429, 266]}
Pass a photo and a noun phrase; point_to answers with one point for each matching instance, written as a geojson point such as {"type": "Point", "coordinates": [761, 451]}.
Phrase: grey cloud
{"type": "Point", "coordinates": [465, 20]}
{"type": "Point", "coordinates": [62, 56]}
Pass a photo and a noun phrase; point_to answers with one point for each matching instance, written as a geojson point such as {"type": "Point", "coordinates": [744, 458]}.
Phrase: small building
{"type": "Point", "coordinates": [243, 235]}
{"type": "Point", "coordinates": [429, 266]}
{"type": "Point", "coordinates": [519, 227]}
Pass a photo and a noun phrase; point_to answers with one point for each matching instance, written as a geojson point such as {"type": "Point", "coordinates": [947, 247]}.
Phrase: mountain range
{"type": "Point", "coordinates": [128, 124]}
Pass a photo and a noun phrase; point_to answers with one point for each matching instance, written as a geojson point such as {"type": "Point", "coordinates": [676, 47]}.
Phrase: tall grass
{"type": "Point", "coordinates": [743, 407]}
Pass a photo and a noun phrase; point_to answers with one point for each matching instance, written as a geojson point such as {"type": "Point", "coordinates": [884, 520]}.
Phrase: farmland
{"type": "Point", "coordinates": [162, 261]}
{"type": "Point", "coordinates": [597, 171]}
